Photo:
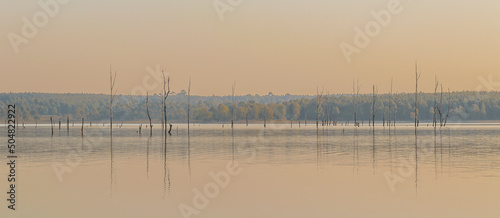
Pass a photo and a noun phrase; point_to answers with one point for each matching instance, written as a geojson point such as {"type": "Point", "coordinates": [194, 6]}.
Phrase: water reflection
{"type": "Point", "coordinates": [111, 164]}
{"type": "Point", "coordinates": [147, 156]}
{"type": "Point", "coordinates": [416, 162]}
{"type": "Point", "coordinates": [294, 152]}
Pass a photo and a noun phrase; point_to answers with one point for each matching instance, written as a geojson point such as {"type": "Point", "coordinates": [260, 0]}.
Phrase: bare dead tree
{"type": "Point", "coordinates": [449, 107]}
{"type": "Point", "coordinates": [417, 77]}
{"type": "Point", "coordinates": [149, 116]}
{"type": "Point", "coordinates": [390, 103]}
{"type": "Point", "coordinates": [326, 114]}
{"type": "Point", "coordinates": [440, 107]}
{"type": "Point", "coordinates": [319, 95]}
{"type": "Point", "coordinates": [166, 92]}
{"type": "Point", "coordinates": [232, 107]}
{"type": "Point", "coordinates": [355, 92]}
{"type": "Point", "coordinates": [51, 127]}
{"type": "Point", "coordinates": [434, 121]}
{"type": "Point", "coordinates": [374, 105]}
{"type": "Point", "coordinates": [112, 80]}
{"type": "Point", "coordinates": [189, 103]}
{"type": "Point", "coordinates": [265, 115]}
{"type": "Point", "coordinates": [395, 109]}
{"type": "Point", "coordinates": [383, 117]}
{"type": "Point", "coordinates": [83, 122]}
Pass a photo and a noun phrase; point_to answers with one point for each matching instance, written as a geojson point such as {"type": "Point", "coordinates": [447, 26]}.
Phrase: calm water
{"type": "Point", "coordinates": [276, 171]}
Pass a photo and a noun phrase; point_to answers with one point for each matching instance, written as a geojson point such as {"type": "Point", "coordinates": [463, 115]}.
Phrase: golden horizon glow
{"type": "Point", "coordinates": [280, 46]}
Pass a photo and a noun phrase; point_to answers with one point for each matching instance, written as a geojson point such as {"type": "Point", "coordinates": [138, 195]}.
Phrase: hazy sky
{"type": "Point", "coordinates": [279, 46]}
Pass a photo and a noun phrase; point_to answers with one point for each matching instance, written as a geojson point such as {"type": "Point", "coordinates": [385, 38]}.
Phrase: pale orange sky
{"type": "Point", "coordinates": [280, 46]}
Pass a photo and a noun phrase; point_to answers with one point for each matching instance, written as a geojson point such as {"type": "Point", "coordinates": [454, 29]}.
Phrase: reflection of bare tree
{"type": "Point", "coordinates": [166, 170]}
{"type": "Point", "coordinates": [319, 148]}
{"type": "Point", "coordinates": [435, 155]}
{"type": "Point", "coordinates": [232, 143]}
{"type": "Point", "coordinates": [441, 148]}
{"type": "Point", "coordinates": [147, 157]}
{"type": "Point", "coordinates": [189, 156]}
{"type": "Point", "coordinates": [111, 166]}
{"type": "Point", "coordinates": [416, 163]}
{"type": "Point", "coordinates": [355, 152]}
{"type": "Point", "coordinates": [373, 153]}
{"type": "Point", "coordinates": [390, 146]}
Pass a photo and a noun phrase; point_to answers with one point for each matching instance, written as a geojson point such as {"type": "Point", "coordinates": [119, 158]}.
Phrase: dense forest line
{"type": "Point", "coordinates": [461, 106]}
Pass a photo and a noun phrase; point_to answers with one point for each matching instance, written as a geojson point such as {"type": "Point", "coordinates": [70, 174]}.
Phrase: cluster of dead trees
{"type": "Point", "coordinates": [166, 127]}
{"type": "Point", "coordinates": [440, 114]}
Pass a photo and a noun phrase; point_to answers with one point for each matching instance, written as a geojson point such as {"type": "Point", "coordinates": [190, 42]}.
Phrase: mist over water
{"type": "Point", "coordinates": [285, 171]}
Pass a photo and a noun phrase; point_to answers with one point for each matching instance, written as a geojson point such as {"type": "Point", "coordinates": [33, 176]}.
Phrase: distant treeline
{"type": "Point", "coordinates": [462, 106]}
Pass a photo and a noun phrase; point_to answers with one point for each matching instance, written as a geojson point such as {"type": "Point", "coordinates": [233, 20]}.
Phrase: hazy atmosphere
{"type": "Point", "coordinates": [250, 108]}
{"type": "Point", "coordinates": [285, 46]}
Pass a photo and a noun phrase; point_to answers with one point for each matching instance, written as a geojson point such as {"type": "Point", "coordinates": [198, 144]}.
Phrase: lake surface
{"type": "Point", "coordinates": [277, 171]}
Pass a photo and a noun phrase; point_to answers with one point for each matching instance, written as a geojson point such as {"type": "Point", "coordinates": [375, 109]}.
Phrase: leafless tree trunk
{"type": "Point", "coordinates": [149, 116]}
{"type": "Point", "coordinates": [51, 127]}
{"type": "Point", "coordinates": [449, 106]}
{"type": "Point", "coordinates": [440, 107]}
{"type": "Point", "coordinates": [374, 105]}
{"type": "Point", "coordinates": [355, 92]}
{"type": "Point", "coordinates": [390, 103]}
{"type": "Point", "coordinates": [83, 122]}
{"type": "Point", "coordinates": [189, 103]}
{"type": "Point", "coordinates": [232, 108]}
{"type": "Point", "coordinates": [383, 118]}
{"type": "Point", "coordinates": [434, 122]}
{"type": "Point", "coordinates": [112, 80]}
{"type": "Point", "coordinates": [325, 114]}
{"type": "Point", "coordinates": [166, 92]}
{"type": "Point", "coordinates": [417, 77]}
{"type": "Point", "coordinates": [395, 109]}
{"type": "Point", "coordinates": [319, 95]}
{"type": "Point", "coordinates": [265, 115]}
